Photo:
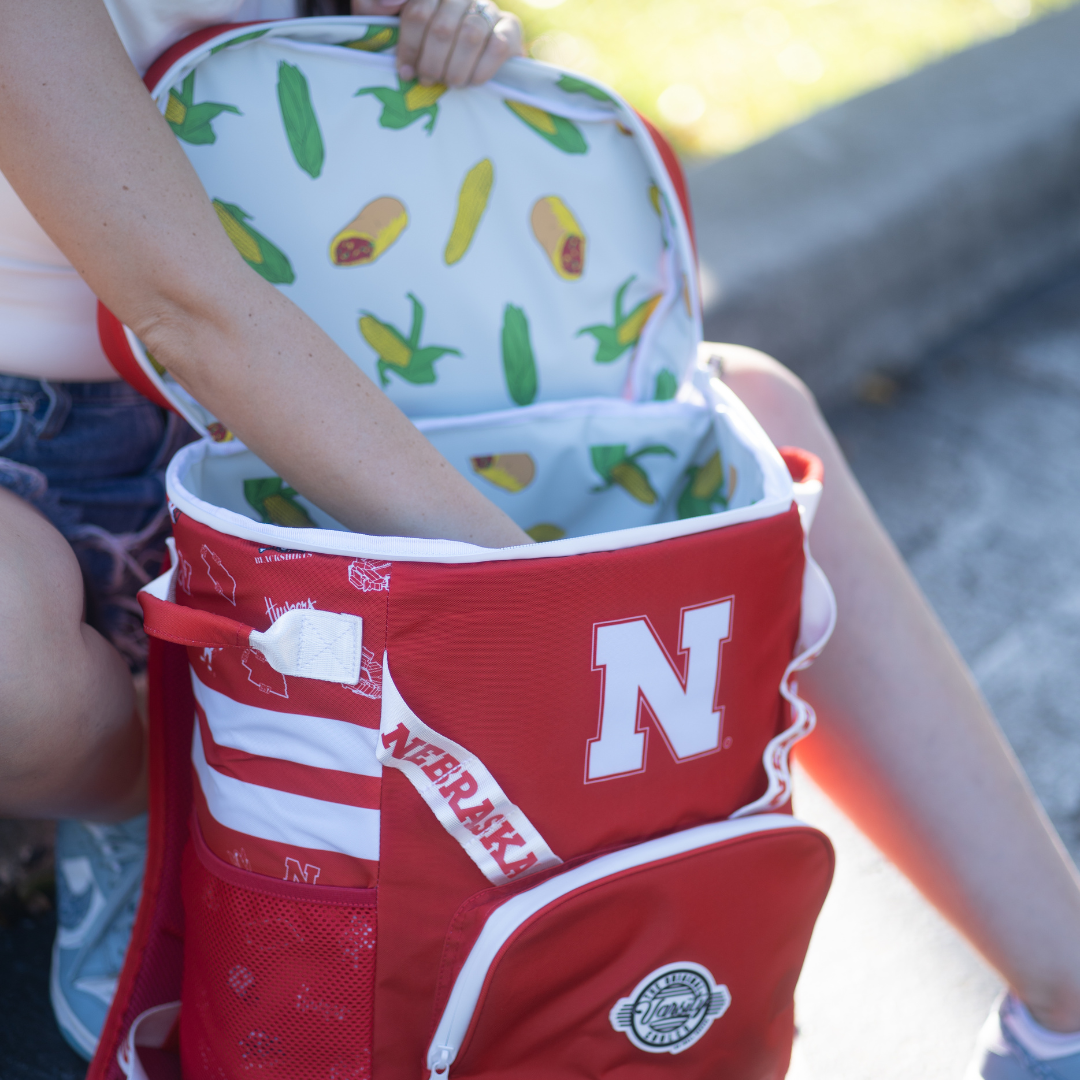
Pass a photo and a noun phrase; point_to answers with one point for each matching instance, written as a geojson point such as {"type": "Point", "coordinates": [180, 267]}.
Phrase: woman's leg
{"type": "Point", "coordinates": [905, 743]}
{"type": "Point", "coordinates": [72, 742]}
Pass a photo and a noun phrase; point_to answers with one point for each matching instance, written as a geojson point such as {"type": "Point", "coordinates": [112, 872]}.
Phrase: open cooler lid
{"type": "Point", "coordinates": [472, 250]}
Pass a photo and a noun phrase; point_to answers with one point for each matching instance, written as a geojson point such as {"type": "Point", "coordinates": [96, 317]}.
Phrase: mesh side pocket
{"type": "Point", "coordinates": [278, 977]}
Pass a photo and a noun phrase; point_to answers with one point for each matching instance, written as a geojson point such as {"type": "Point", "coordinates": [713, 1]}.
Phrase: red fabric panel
{"type": "Point", "coordinates": [152, 968]}
{"type": "Point", "coordinates": [803, 465]}
{"type": "Point", "coordinates": [498, 657]}
{"type": "Point", "coordinates": [678, 177]}
{"type": "Point", "coordinates": [115, 345]}
{"type": "Point", "coordinates": [743, 909]}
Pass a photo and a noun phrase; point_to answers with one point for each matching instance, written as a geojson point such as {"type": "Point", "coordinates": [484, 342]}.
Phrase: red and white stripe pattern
{"type": "Point", "coordinates": [286, 795]}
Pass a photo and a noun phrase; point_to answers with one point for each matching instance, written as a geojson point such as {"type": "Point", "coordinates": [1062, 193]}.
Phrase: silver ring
{"type": "Point", "coordinates": [486, 10]}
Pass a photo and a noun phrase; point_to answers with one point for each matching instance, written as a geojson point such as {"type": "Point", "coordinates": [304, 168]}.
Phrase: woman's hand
{"type": "Point", "coordinates": [454, 42]}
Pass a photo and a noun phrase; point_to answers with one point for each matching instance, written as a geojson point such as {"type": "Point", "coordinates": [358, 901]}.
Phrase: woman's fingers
{"type": "Point", "coordinates": [455, 42]}
{"type": "Point", "coordinates": [506, 40]}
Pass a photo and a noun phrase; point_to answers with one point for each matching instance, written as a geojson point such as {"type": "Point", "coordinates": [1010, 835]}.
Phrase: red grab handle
{"type": "Point", "coordinates": [803, 465]}
{"type": "Point", "coordinates": [190, 626]}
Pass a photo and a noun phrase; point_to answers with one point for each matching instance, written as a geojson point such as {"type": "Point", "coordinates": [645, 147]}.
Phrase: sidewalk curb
{"type": "Point", "coordinates": [867, 235]}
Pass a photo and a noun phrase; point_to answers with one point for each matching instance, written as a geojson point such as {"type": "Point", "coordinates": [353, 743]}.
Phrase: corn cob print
{"type": "Point", "coordinates": [666, 386]}
{"type": "Point", "coordinates": [519, 364]}
{"type": "Point", "coordinates": [613, 341]}
{"type": "Point", "coordinates": [511, 472]}
{"type": "Point", "coordinates": [370, 233]}
{"type": "Point", "coordinates": [276, 503]}
{"type": "Point", "coordinates": [256, 250]}
{"type": "Point", "coordinates": [298, 116]}
{"type": "Point", "coordinates": [472, 202]}
{"type": "Point", "coordinates": [377, 39]}
{"type": "Point", "coordinates": [407, 103]}
{"type": "Point", "coordinates": [570, 85]}
{"type": "Point", "coordinates": [616, 466]}
{"type": "Point", "coordinates": [558, 131]}
{"type": "Point", "coordinates": [559, 234]}
{"type": "Point", "coordinates": [704, 491]}
{"type": "Point", "coordinates": [545, 532]}
{"type": "Point", "coordinates": [238, 40]}
{"type": "Point", "coordinates": [190, 121]}
{"type": "Point", "coordinates": [401, 355]}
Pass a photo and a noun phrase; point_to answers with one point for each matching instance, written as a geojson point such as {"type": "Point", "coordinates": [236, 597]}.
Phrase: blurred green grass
{"type": "Point", "coordinates": [715, 75]}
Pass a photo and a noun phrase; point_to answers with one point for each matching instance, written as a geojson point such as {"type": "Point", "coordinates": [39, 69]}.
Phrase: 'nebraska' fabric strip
{"type": "Point", "coordinates": [461, 793]}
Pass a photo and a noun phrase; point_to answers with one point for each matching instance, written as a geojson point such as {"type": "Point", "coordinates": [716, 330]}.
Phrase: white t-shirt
{"type": "Point", "coordinates": [48, 315]}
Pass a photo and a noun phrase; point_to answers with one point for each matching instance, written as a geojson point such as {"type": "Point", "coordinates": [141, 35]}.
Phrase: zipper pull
{"type": "Point", "coordinates": [441, 1067]}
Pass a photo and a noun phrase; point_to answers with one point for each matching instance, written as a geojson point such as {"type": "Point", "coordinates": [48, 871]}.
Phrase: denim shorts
{"type": "Point", "coordinates": [91, 457]}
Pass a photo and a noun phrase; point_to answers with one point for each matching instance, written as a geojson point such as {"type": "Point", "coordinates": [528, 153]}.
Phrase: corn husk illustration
{"type": "Point", "coordinates": [256, 250]}
{"type": "Point", "coordinates": [558, 131]}
{"type": "Point", "coordinates": [578, 86]}
{"type": "Point", "coordinates": [370, 233]}
{"type": "Point", "coordinates": [559, 234]}
{"type": "Point", "coordinates": [406, 104]}
{"type": "Point", "coordinates": [654, 199]}
{"type": "Point", "coordinates": [519, 364]}
{"type": "Point", "coordinates": [616, 466]}
{"type": "Point", "coordinates": [545, 532]}
{"type": "Point", "coordinates": [239, 40]}
{"type": "Point", "coordinates": [511, 472]}
{"type": "Point", "coordinates": [472, 202]}
{"type": "Point", "coordinates": [612, 341]}
{"type": "Point", "coordinates": [400, 355]}
{"type": "Point", "coordinates": [704, 491]}
{"type": "Point", "coordinates": [275, 502]}
{"type": "Point", "coordinates": [298, 116]}
{"type": "Point", "coordinates": [377, 39]}
{"type": "Point", "coordinates": [667, 386]}
{"type": "Point", "coordinates": [191, 121]}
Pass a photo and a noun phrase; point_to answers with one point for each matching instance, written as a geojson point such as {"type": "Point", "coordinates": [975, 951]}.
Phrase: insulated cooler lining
{"type": "Point", "coordinates": [567, 469]}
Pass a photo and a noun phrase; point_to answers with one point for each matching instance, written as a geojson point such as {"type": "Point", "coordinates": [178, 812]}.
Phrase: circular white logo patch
{"type": "Point", "coordinates": [671, 1008]}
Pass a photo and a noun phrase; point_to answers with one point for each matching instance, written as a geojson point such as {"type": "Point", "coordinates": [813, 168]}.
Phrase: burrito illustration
{"type": "Point", "coordinates": [370, 233]}
{"type": "Point", "coordinates": [559, 234]}
{"type": "Point", "coordinates": [511, 472]}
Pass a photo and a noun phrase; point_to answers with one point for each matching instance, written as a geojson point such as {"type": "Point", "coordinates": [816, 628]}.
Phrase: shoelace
{"type": "Point", "coordinates": [125, 854]}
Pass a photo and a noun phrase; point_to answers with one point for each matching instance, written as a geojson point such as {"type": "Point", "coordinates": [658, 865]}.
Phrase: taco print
{"type": "Point", "coordinates": [616, 466]}
{"type": "Point", "coordinates": [191, 121]}
{"type": "Point", "coordinates": [558, 131]}
{"type": "Point", "coordinates": [559, 234]}
{"type": "Point", "coordinates": [256, 250]}
{"type": "Point", "coordinates": [407, 103]}
{"type": "Point", "coordinates": [578, 86]}
{"type": "Point", "coordinates": [237, 40]}
{"type": "Point", "coordinates": [275, 502]}
{"type": "Point", "coordinates": [377, 39]}
{"type": "Point", "coordinates": [545, 532]}
{"type": "Point", "coordinates": [519, 364]}
{"type": "Point", "coordinates": [613, 341]}
{"type": "Point", "coordinates": [298, 116]}
{"type": "Point", "coordinates": [511, 472]}
{"type": "Point", "coordinates": [704, 490]}
{"type": "Point", "coordinates": [666, 386]}
{"type": "Point", "coordinates": [472, 202]}
{"type": "Point", "coordinates": [370, 233]}
{"type": "Point", "coordinates": [403, 356]}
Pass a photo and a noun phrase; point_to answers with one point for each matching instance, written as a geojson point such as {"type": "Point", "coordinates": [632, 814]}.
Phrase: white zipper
{"type": "Point", "coordinates": [502, 924]}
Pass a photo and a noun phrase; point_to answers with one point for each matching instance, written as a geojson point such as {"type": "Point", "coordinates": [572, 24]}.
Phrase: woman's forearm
{"type": "Point", "coordinates": [88, 153]}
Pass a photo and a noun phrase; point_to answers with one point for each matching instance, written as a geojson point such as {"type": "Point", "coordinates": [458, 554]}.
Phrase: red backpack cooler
{"type": "Point", "coordinates": [423, 809]}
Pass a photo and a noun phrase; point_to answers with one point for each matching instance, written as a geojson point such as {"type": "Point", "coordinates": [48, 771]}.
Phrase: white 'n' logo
{"type": "Point", "coordinates": [637, 670]}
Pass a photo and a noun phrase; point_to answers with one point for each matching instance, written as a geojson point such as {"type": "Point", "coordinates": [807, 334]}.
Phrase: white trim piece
{"type": "Point", "coordinates": [150, 1029]}
{"type": "Point", "coordinates": [313, 644]}
{"type": "Point", "coordinates": [317, 741]}
{"type": "Point", "coordinates": [507, 919]}
{"type": "Point", "coordinates": [490, 829]}
{"type": "Point", "coordinates": [285, 818]}
{"type": "Point", "coordinates": [807, 496]}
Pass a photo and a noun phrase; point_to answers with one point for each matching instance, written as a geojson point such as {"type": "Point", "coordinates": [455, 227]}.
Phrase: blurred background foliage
{"type": "Point", "coordinates": [715, 75]}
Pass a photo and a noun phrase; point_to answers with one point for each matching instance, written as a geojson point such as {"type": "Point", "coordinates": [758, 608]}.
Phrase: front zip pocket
{"type": "Point", "coordinates": [677, 957]}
